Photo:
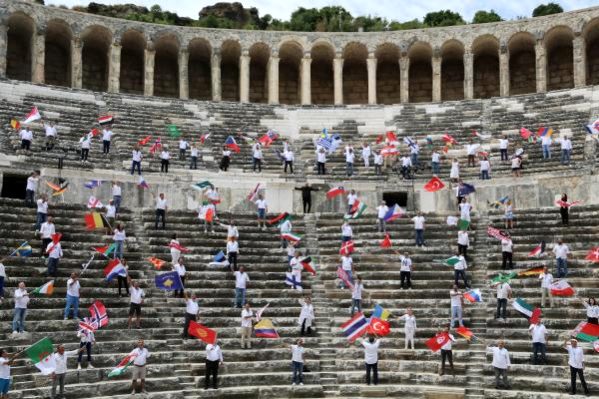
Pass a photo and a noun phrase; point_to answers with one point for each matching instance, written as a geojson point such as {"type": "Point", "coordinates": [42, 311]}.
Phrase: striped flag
{"type": "Point", "coordinates": [291, 237]}
{"type": "Point", "coordinates": [355, 327]}
{"type": "Point", "coordinates": [466, 333]}
{"type": "Point", "coordinates": [335, 192]}
{"type": "Point", "coordinates": [527, 310]}
{"type": "Point", "coordinates": [95, 220]}
{"type": "Point", "coordinates": [343, 276]}
{"type": "Point", "coordinates": [356, 211]}
{"type": "Point", "coordinates": [105, 120]}
{"type": "Point", "coordinates": [593, 128]}
{"type": "Point", "coordinates": [562, 288]}
{"type": "Point", "coordinates": [538, 251]}
{"type": "Point", "coordinates": [545, 132]}
{"type": "Point", "coordinates": [32, 116]}
{"type": "Point", "coordinates": [474, 296]}
{"type": "Point", "coordinates": [587, 332]}
{"type": "Point", "coordinates": [533, 271]}
{"type": "Point", "coordinates": [122, 366]}
{"type": "Point", "coordinates": [46, 289]}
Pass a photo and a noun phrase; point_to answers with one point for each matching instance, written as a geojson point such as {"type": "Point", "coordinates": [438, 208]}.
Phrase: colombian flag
{"type": "Point", "coordinates": [265, 329]}
{"type": "Point", "coordinates": [95, 220]}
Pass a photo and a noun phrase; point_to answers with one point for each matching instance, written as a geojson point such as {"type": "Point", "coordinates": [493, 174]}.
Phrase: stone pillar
{"type": "Point", "coordinates": [541, 66]}
{"type": "Point", "coordinates": [371, 67]}
{"type": "Point", "coordinates": [306, 79]}
{"type": "Point", "coordinates": [114, 68]}
{"type": "Point", "coordinates": [244, 77]}
{"type": "Point", "coordinates": [3, 46]}
{"type": "Point", "coordinates": [436, 64]}
{"type": "Point", "coordinates": [404, 82]}
{"type": "Point", "coordinates": [183, 74]}
{"type": "Point", "coordinates": [38, 56]}
{"type": "Point", "coordinates": [76, 63]}
{"type": "Point", "coordinates": [338, 79]}
{"type": "Point", "coordinates": [468, 75]}
{"type": "Point", "coordinates": [150, 55]}
{"type": "Point", "coordinates": [579, 57]}
{"type": "Point", "coordinates": [273, 78]}
{"type": "Point", "coordinates": [215, 72]}
{"type": "Point", "coordinates": [504, 71]}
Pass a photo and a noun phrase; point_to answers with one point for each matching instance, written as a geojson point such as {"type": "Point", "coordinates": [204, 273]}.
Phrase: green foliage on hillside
{"type": "Point", "coordinates": [547, 9]}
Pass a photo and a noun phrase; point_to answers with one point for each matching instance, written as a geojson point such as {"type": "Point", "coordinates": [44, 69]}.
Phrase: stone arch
{"type": "Point", "coordinates": [19, 49]}
{"type": "Point", "coordinates": [57, 58]}
{"type": "Point", "coordinates": [452, 70]}
{"type": "Point", "coordinates": [421, 72]}
{"type": "Point", "coordinates": [321, 72]}
{"type": "Point", "coordinates": [166, 66]}
{"type": "Point", "coordinates": [355, 73]}
{"type": "Point", "coordinates": [591, 34]}
{"type": "Point", "coordinates": [290, 58]}
{"type": "Point", "coordinates": [560, 57]}
{"type": "Point", "coordinates": [199, 69]}
{"type": "Point", "coordinates": [230, 51]}
{"type": "Point", "coordinates": [523, 75]}
{"type": "Point", "coordinates": [387, 74]}
{"type": "Point", "coordinates": [133, 45]}
{"type": "Point", "coordinates": [485, 53]}
{"type": "Point", "coordinates": [96, 41]}
{"type": "Point", "coordinates": [259, 56]}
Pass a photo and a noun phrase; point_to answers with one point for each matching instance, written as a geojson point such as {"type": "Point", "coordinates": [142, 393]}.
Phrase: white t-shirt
{"type": "Point", "coordinates": [471, 149]}
{"type": "Point", "coordinates": [56, 251]}
{"type": "Point", "coordinates": [136, 295]}
{"type": "Point", "coordinates": [575, 356]}
{"type": "Point", "coordinates": [47, 229]}
{"type": "Point", "coordinates": [182, 144]}
{"type": "Point", "coordinates": [4, 368]}
{"type": "Point", "coordinates": [418, 222]}
{"type": "Point", "coordinates": [447, 346]}
{"type": "Point", "coordinates": [73, 287]}
{"type": "Point", "coordinates": [160, 203]}
{"type": "Point", "coordinates": [436, 157]}
{"type": "Point", "coordinates": [106, 135]}
{"type": "Point", "coordinates": [501, 357]}
{"type": "Point", "coordinates": [366, 152]}
{"type": "Point", "coordinates": [561, 251]}
{"type": "Point", "coordinates": [546, 280]}
{"type": "Point", "coordinates": [261, 203]}
{"type": "Point", "coordinates": [192, 307]}
{"type": "Point", "coordinates": [21, 298]}
{"type": "Point", "coordinates": [346, 230]}
{"type": "Point", "coordinates": [546, 140]}
{"type": "Point", "coordinates": [406, 264]}
{"type": "Point", "coordinates": [257, 152]}
{"type": "Point", "coordinates": [406, 162]}
{"type": "Point", "coordinates": [456, 298]}
{"type": "Point", "coordinates": [136, 154]}
{"type": "Point", "coordinates": [32, 183]}
{"type": "Point", "coordinates": [321, 156]}
{"type": "Point", "coordinates": [516, 162]}
{"type": "Point", "coordinates": [141, 356]}
{"type": "Point", "coordinates": [351, 199]}
{"type": "Point", "coordinates": [165, 155]}
{"type": "Point", "coordinates": [288, 155]}
{"type": "Point", "coordinates": [246, 322]}
{"type": "Point", "coordinates": [410, 322]}
{"type": "Point", "coordinates": [382, 211]}
{"type": "Point", "coordinates": [110, 211]}
{"type": "Point", "coordinates": [233, 246]}
{"type": "Point", "coordinates": [2, 270]}
{"type": "Point", "coordinates": [461, 265]}
{"type": "Point", "coordinates": [297, 353]}
{"type": "Point", "coordinates": [371, 351]}
{"type": "Point", "coordinates": [194, 152]}
{"type": "Point", "coordinates": [346, 262]}
{"type": "Point", "coordinates": [463, 238]}
{"type": "Point", "coordinates": [42, 206]}
{"type": "Point", "coordinates": [485, 165]}
{"type": "Point", "coordinates": [50, 131]}
{"type": "Point", "coordinates": [378, 159]}
{"type": "Point", "coordinates": [349, 157]}
{"type": "Point", "coordinates": [538, 333]}
{"type": "Point", "coordinates": [241, 279]}
{"type": "Point", "coordinates": [180, 269]}
{"type": "Point", "coordinates": [116, 190]}
{"type": "Point", "coordinates": [119, 235]}
{"type": "Point", "coordinates": [357, 292]}
{"type": "Point", "coordinates": [506, 245]}
{"type": "Point", "coordinates": [26, 135]}
{"type": "Point", "coordinates": [465, 208]}
{"type": "Point", "coordinates": [503, 143]}
{"type": "Point", "coordinates": [503, 290]}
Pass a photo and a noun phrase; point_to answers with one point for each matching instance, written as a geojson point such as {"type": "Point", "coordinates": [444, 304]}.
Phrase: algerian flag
{"type": "Point", "coordinates": [451, 261]}
{"type": "Point", "coordinates": [122, 366]}
{"type": "Point", "coordinates": [41, 354]}
{"type": "Point", "coordinates": [503, 278]}
{"type": "Point", "coordinates": [523, 307]}
{"type": "Point", "coordinates": [46, 289]}
{"type": "Point", "coordinates": [463, 224]}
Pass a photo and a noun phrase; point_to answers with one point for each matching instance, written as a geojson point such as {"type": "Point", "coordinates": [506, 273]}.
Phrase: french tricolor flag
{"type": "Point", "coordinates": [394, 213]}
{"type": "Point", "coordinates": [115, 268]}
{"type": "Point", "coordinates": [34, 115]}
{"type": "Point", "coordinates": [355, 327]}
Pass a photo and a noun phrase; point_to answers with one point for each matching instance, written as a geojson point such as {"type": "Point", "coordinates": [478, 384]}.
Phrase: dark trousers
{"type": "Point", "coordinates": [503, 154]}
{"type": "Point", "coordinates": [580, 372]}
{"type": "Point", "coordinates": [305, 329]}
{"type": "Point", "coordinates": [164, 165]}
{"type": "Point", "coordinates": [446, 355]}
{"type": "Point", "coordinates": [105, 146]}
{"type": "Point", "coordinates": [29, 194]}
{"type": "Point", "coordinates": [405, 277]}
{"type": "Point", "coordinates": [457, 274]}
{"type": "Point", "coordinates": [123, 283]}
{"type": "Point", "coordinates": [188, 317]}
{"type": "Point", "coordinates": [307, 205]}
{"type": "Point", "coordinates": [375, 373]}
{"type": "Point", "coordinates": [462, 250]}
{"type": "Point", "coordinates": [194, 163]}
{"type": "Point", "coordinates": [470, 160]}
{"type": "Point", "coordinates": [160, 214]}
{"type": "Point", "coordinates": [564, 214]}
{"type": "Point", "coordinates": [501, 308]}
{"type": "Point", "coordinates": [232, 258]}
{"type": "Point", "coordinates": [135, 165]}
{"type": "Point", "coordinates": [211, 370]}
{"type": "Point", "coordinates": [40, 219]}
{"type": "Point", "coordinates": [2, 288]}
{"type": "Point", "coordinates": [84, 154]}
{"type": "Point", "coordinates": [53, 267]}
{"type": "Point", "coordinates": [257, 163]}
{"type": "Point", "coordinates": [25, 144]}
{"type": "Point", "coordinates": [298, 372]}
{"type": "Point", "coordinates": [179, 293]}
{"type": "Point", "coordinates": [181, 154]}
{"type": "Point", "coordinates": [506, 260]}
{"type": "Point", "coordinates": [377, 170]}
{"type": "Point", "coordinates": [538, 347]}
{"type": "Point", "coordinates": [290, 164]}
{"type": "Point", "coordinates": [45, 242]}
{"type": "Point", "coordinates": [321, 168]}
{"type": "Point", "coordinates": [88, 349]}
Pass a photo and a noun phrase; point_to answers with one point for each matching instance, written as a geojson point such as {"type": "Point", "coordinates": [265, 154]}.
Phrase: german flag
{"type": "Point", "coordinates": [95, 220]}
{"type": "Point", "coordinates": [533, 271]}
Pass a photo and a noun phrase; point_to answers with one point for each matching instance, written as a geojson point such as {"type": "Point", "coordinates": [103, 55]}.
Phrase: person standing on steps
{"type": "Point", "coordinates": [106, 137]}
{"type": "Point", "coordinates": [193, 162]}
{"type": "Point", "coordinates": [546, 280]}
{"type": "Point", "coordinates": [247, 316]}
{"type": "Point", "coordinates": [459, 270]}
{"type": "Point", "coordinates": [257, 157]}
{"type": "Point", "coordinates": [347, 264]}
{"type": "Point", "coordinates": [232, 252]}
{"type": "Point", "coordinates": [51, 135]}
{"type": "Point", "coordinates": [42, 212]}
{"type": "Point", "coordinates": [85, 142]}
{"type": "Point", "coordinates": [214, 359]}
{"type": "Point", "coordinates": [576, 363]}
{"type": "Point", "coordinates": [47, 230]}
{"type": "Point", "coordinates": [297, 362]}
{"type": "Point", "coordinates": [306, 190]}
{"type": "Point", "coordinates": [351, 200]}
{"type": "Point", "coordinates": [508, 214]}
{"type": "Point", "coordinates": [139, 367]}
{"type": "Point", "coordinates": [161, 207]}
{"type": "Point", "coordinates": [561, 252]}
{"type": "Point", "coordinates": [174, 247]}
{"type": "Point", "coordinates": [349, 161]}
{"type": "Point", "coordinates": [409, 327]}
{"type": "Point", "coordinates": [306, 316]}
{"type": "Point", "coordinates": [463, 243]}
{"type": "Point", "coordinates": [539, 341]}
{"type": "Point", "coordinates": [117, 195]}
{"type": "Point", "coordinates": [371, 359]}
{"type": "Point", "coordinates": [501, 363]}
{"type": "Point", "coordinates": [136, 157]}
{"type": "Point", "coordinates": [356, 295]}
{"type": "Point", "coordinates": [60, 372]}
{"type": "Point", "coordinates": [405, 270]}
{"type": "Point", "coordinates": [507, 249]}
{"type": "Point", "coordinates": [31, 188]}
{"type": "Point", "coordinates": [179, 267]}
{"type": "Point", "coordinates": [54, 252]}
{"type": "Point", "coordinates": [119, 238]}
{"type": "Point", "coordinates": [366, 153]}
{"type": "Point", "coordinates": [225, 161]}
{"type": "Point", "coordinates": [504, 293]}
{"type": "Point", "coordinates": [592, 310]}
{"type": "Point", "coordinates": [457, 303]}
{"type": "Point", "coordinates": [436, 162]}
{"type": "Point", "coordinates": [123, 281]}
{"type": "Point", "coordinates": [87, 339]}
{"type": "Point", "coordinates": [137, 299]}
{"type": "Point", "coordinates": [446, 353]}
{"type": "Point", "coordinates": [382, 210]}
{"type": "Point", "coordinates": [564, 209]}
{"type": "Point", "coordinates": [21, 301]}
{"type": "Point", "coordinates": [378, 163]}
{"type": "Point", "coordinates": [183, 144]}
{"type": "Point", "coordinates": [165, 157]}
{"type": "Point", "coordinates": [289, 158]}
{"type": "Point", "coordinates": [6, 362]}
{"type": "Point", "coordinates": [346, 232]}
{"type": "Point", "coordinates": [73, 292]}
{"type": "Point", "coordinates": [241, 280]}
{"type": "Point", "coordinates": [192, 310]}
{"type": "Point", "coordinates": [262, 206]}
{"type": "Point", "coordinates": [503, 147]}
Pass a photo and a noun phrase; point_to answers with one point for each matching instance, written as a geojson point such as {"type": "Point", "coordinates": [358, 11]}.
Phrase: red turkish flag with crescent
{"type": "Point", "coordinates": [593, 255]}
{"type": "Point", "coordinates": [434, 184]}
{"type": "Point", "coordinates": [379, 327]}
{"type": "Point", "coordinates": [436, 342]}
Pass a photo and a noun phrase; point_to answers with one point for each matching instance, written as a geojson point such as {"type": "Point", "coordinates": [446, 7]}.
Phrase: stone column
{"type": "Point", "coordinates": [76, 63]}
{"type": "Point", "coordinates": [404, 82]}
{"type": "Point", "coordinates": [371, 62]}
{"type": "Point", "coordinates": [338, 78]}
{"type": "Point", "coordinates": [183, 74]}
{"type": "Point", "coordinates": [114, 68]}
{"type": "Point", "coordinates": [3, 46]}
{"type": "Point", "coordinates": [150, 55]}
{"type": "Point", "coordinates": [504, 71]}
{"type": "Point", "coordinates": [468, 75]}
{"type": "Point", "coordinates": [38, 56]}
{"type": "Point", "coordinates": [541, 66]}
{"type": "Point", "coordinates": [215, 71]}
{"type": "Point", "coordinates": [273, 78]}
{"type": "Point", "coordinates": [244, 77]}
{"type": "Point", "coordinates": [579, 57]}
{"type": "Point", "coordinates": [306, 79]}
{"type": "Point", "coordinates": [436, 64]}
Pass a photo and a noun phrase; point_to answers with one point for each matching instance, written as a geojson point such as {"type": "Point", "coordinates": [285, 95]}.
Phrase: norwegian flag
{"type": "Point", "coordinates": [98, 313]}
{"type": "Point", "coordinates": [93, 203]}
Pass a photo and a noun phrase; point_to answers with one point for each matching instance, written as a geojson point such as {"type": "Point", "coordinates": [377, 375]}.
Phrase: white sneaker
{"type": "Point", "coordinates": [89, 366]}
{"type": "Point", "coordinates": [293, 383]}
{"type": "Point", "coordinates": [301, 383]}
{"type": "Point", "coordinates": [79, 367]}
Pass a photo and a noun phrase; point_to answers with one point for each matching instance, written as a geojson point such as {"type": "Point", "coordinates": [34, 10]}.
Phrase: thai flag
{"type": "Point", "coordinates": [98, 313]}
{"type": "Point", "coordinates": [105, 120]}
{"type": "Point", "coordinates": [32, 116]}
{"type": "Point", "coordinates": [355, 327]}
{"type": "Point", "coordinates": [394, 213]}
{"type": "Point", "coordinates": [232, 144]}
{"type": "Point", "coordinates": [115, 268]}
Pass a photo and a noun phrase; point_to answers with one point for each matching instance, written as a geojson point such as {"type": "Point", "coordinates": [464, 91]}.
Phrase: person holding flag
{"type": "Point", "coordinates": [136, 157]}
{"type": "Point", "coordinates": [26, 136]}
{"type": "Point", "coordinates": [285, 228]}
{"type": "Point", "coordinates": [564, 209]}
{"type": "Point", "coordinates": [106, 137]}
{"type": "Point", "coordinates": [539, 341]}
{"type": "Point", "coordinates": [232, 230]}
{"type": "Point", "coordinates": [457, 304]}
{"type": "Point", "coordinates": [73, 292]}
{"type": "Point", "coordinates": [225, 160]}
{"type": "Point", "coordinates": [232, 252]}
{"type": "Point", "coordinates": [21, 301]}
{"type": "Point", "coordinates": [321, 160]}
{"type": "Point", "coordinates": [347, 264]}
{"type": "Point", "coordinates": [378, 163]}
{"type": "Point", "coordinates": [306, 316]}
{"type": "Point", "coordinates": [110, 215]}
{"type": "Point", "coordinates": [179, 267]}
{"type": "Point", "coordinates": [60, 372]}
{"type": "Point", "coordinates": [517, 166]}
{"type": "Point", "coordinates": [123, 281]}
{"type": "Point", "coordinates": [446, 352]}
{"type": "Point", "coordinates": [175, 248]}
{"type": "Point", "coordinates": [371, 358]}
{"type": "Point", "coordinates": [507, 249]}
{"type": "Point", "coordinates": [6, 362]}
{"type": "Point", "coordinates": [42, 212]}
{"type": "Point", "coordinates": [51, 134]}
{"type": "Point", "coordinates": [382, 210]}
{"type": "Point", "coordinates": [459, 270]}
{"type": "Point", "coordinates": [47, 230]}
{"type": "Point", "coordinates": [87, 339]}
{"type": "Point", "coordinates": [214, 359]}
{"type": "Point", "coordinates": [192, 311]}
{"type": "Point", "coordinates": [592, 310]}
{"type": "Point", "coordinates": [54, 251]}
{"type": "Point", "coordinates": [119, 238]}
{"type": "Point", "coordinates": [465, 209]}
{"type": "Point", "coordinates": [409, 327]}
{"type": "Point", "coordinates": [501, 363]}
{"type": "Point", "coordinates": [405, 270]}
{"type": "Point", "coordinates": [351, 200]}
{"type": "Point", "coordinates": [576, 363]}
{"type": "Point", "coordinates": [257, 157]}
{"type": "Point", "coordinates": [454, 172]}
{"type": "Point", "coordinates": [546, 281]}
{"type": "Point", "coordinates": [136, 300]}
{"type": "Point", "coordinates": [241, 280]}
{"type": "Point", "coordinates": [247, 315]}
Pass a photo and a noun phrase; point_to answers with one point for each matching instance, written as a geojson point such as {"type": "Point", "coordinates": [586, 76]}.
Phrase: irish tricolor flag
{"type": "Point", "coordinates": [122, 366]}
{"type": "Point", "coordinates": [46, 289]}
{"type": "Point", "coordinates": [529, 311]}
{"type": "Point", "coordinates": [41, 354]}
{"type": "Point", "coordinates": [32, 116]}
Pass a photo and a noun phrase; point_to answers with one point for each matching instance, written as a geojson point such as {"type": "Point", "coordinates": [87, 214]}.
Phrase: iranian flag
{"type": "Point", "coordinates": [529, 311]}
{"type": "Point", "coordinates": [41, 354]}
{"type": "Point", "coordinates": [122, 366]}
{"type": "Point", "coordinates": [32, 116]}
{"type": "Point", "coordinates": [46, 289]}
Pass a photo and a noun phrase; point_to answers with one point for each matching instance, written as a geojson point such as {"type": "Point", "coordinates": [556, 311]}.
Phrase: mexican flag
{"type": "Point", "coordinates": [122, 366]}
{"type": "Point", "coordinates": [41, 354]}
{"type": "Point", "coordinates": [46, 289]}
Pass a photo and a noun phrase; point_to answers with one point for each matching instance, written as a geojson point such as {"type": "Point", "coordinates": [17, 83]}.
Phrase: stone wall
{"type": "Point", "coordinates": [289, 85]}
{"type": "Point", "coordinates": [322, 84]}
{"type": "Point", "coordinates": [355, 82]}
{"type": "Point", "coordinates": [18, 57]}
{"type": "Point", "coordinates": [57, 65]}
{"type": "Point", "coordinates": [95, 69]}
{"type": "Point", "coordinates": [166, 75]}
{"type": "Point", "coordinates": [132, 71]}
{"type": "Point", "coordinates": [486, 76]}
{"type": "Point", "coordinates": [421, 82]}
{"type": "Point", "coordinates": [388, 83]}
{"type": "Point", "coordinates": [593, 64]}
{"type": "Point", "coordinates": [258, 83]}
{"type": "Point", "coordinates": [560, 69]}
{"type": "Point", "coordinates": [452, 80]}
{"type": "Point", "coordinates": [230, 81]}
{"type": "Point", "coordinates": [522, 73]}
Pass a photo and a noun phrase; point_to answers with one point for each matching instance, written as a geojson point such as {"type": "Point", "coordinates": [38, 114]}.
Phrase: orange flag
{"type": "Point", "coordinates": [158, 263]}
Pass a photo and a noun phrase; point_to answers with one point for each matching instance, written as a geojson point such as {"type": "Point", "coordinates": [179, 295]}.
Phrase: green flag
{"type": "Point", "coordinates": [452, 261]}
{"type": "Point", "coordinates": [201, 185]}
{"type": "Point", "coordinates": [41, 354]}
{"type": "Point", "coordinates": [463, 224]}
{"type": "Point", "coordinates": [173, 131]}
{"type": "Point", "coordinates": [503, 277]}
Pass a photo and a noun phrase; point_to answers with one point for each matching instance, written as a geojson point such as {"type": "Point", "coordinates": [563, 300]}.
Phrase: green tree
{"type": "Point", "coordinates": [547, 9]}
{"type": "Point", "coordinates": [304, 19]}
{"type": "Point", "coordinates": [413, 24]}
{"type": "Point", "coordinates": [483, 17]}
{"type": "Point", "coordinates": [443, 18]}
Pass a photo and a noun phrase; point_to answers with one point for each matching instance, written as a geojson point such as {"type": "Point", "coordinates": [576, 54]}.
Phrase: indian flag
{"type": "Point", "coordinates": [41, 354]}
{"type": "Point", "coordinates": [122, 366]}
{"type": "Point", "coordinates": [46, 289]}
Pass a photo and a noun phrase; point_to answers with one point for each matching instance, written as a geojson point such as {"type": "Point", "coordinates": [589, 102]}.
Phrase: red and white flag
{"type": "Point", "coordinates": [179, 247]}
{"type": "Point", "coordinates": [434, 184]}
{"type": "Point", "coordinates": [335, 192]}
{"type": "Point", "coordinates": [562, 288]}
{"type": "Point", "coordinates": [347, 248]}
{"type": "Point", "coordinates": [32, 116]}
{"type": "Point", "coordinates": [386, 243]}
{"type": "Point", "coordinates": [593, 255]}
{"type": "Point", "coordinates": [254, 193]}
{"type": "Point", "coordinates": [435, 343]}
{"type": "Point", "coordinates": [204, 137]}
{"type": "Point", "coordinates": [448, 139]}
{"type": "Point", "coordinates": [93, 203]}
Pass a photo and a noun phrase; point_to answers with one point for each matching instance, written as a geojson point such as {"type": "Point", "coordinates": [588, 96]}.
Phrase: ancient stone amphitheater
{"type": "Point", "coordinates": [493, 78]}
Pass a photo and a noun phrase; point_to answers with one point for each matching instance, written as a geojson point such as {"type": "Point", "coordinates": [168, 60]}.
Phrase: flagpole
{"type": "Point", "coordinates": [13, 252]}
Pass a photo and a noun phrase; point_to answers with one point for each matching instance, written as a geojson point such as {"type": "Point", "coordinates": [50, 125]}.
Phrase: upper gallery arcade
{"type": "Point", "coordinates": [66, 48]}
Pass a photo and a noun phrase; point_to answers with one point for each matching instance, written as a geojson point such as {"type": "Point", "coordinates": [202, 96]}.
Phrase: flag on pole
{"type": "Point", "coordinates": [202, 332]}
{"type": "Point", "coordinates": [41, 354]}
{"type": "Point", "coordinates": [156, 146]}
{"type": "Point", "coordinates": [409, 142]}
{"type": "Point", "coordinates": [261, 311]}
{"type": "Point", "coordinates": [503, 278]}
{"type": "Point", "coordinates": [355, 327]}
{"type": "Point", "coordinates": [23, 250]}
{"type": "Point", "coordinates": [538, 251]}
{"type": "Point", "coordinates": [435, 343]}
{"type": "Point", "coordinates": [122, 366]}
{"type": "Point", "coordinates": [452, 261]}
{"type": "Point", "coordinates": [448, 139]}
{"type": "Point", "coordinates": [279, 219]}
{"type": "Point", "coordinates": [386, 243]}
{"type": "Point", "coordinates": [265, 329]}
{"type": "Point", "coordinates": [389, 151]}
{"type": "Point", "coordinates": [378, 327]}
{"type": "Point", "coordinates": [474, 296]}
{"type": "Point", "coordinates": [87, 325]}
{"type": "Point", "coordinates": [46, 289]}
{"type": "Point", "coordinates": [170, 281]}
{"type": "Point", "coordinates": [391, 138]}
{"type": "Point", "coordinates": [106, 250]}
{"type": "Point", "coordinates": [253, 195]}
{"type": "Point", "coordinates": [179, 247]}
{"type": "Point", "coordinates": [232, 144]}
{"type": "Point", "coordinates": [15, 124]}
{"type": "Point", "coordinates": [434, 184]}
{"type": "Point", "coordinates": [335, 191]}
{"type": "Point", "coordinates": [347, 248]}
{"type": "Point", "coordinates": [561, 288]}
{"type": "Point", "coordinates": [219, 260]}
{"type": "Point", "coordinates": [525, 133]}
{"type": "Point", "coordinates": [395, 212]}
{"type": "Point", "coordinates": [380, 313]}
{"type": "Point", "coordinates": [98, 313]}
{"type": "Point", "coordinates": [32, 116]}
{"type": "Point", "coordinates": [158, 263]}
{"type": "Point", "coordinates": [593, 128]}
{"type": "Point", "coordinates": [291, 237]}
{"type": "Point", "coordinates": [545, 132]}
{"type": "Point", "coordinates": [268, 138]}
{"type": "Point", "coordinates": [496, 233]}
{"type": "Point", "coordinates": [143, 184]}
{"type": "Point", "coordinates": [465, 189]}
{"type": "Point", "coordinates": [201, 186]}
{"type": "Point", "coordinates": [113, 269]}
{"type": "Point", "coordinates": [466, 333]}
{"type": "Point", "coordinates": [204, 137]}
{"type": "Point", "coordinates": [533, 271]}
{"type": "Point", "coordinates": [105, 120]}
{"type": "Point", "coordinates": [95, 220]}
{"type": "Point", "coordinates": [463, 225]}
{"type": "Point", "coordinates": [343, 276]}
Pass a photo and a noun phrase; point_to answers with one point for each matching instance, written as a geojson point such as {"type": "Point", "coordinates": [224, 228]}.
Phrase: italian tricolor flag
{"type": "Point", "coordinates": [41, 354]}
{"type": "Point", "coordinates": [122, 366]}
{"type": "Point", "coordinates": [46, 289]}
